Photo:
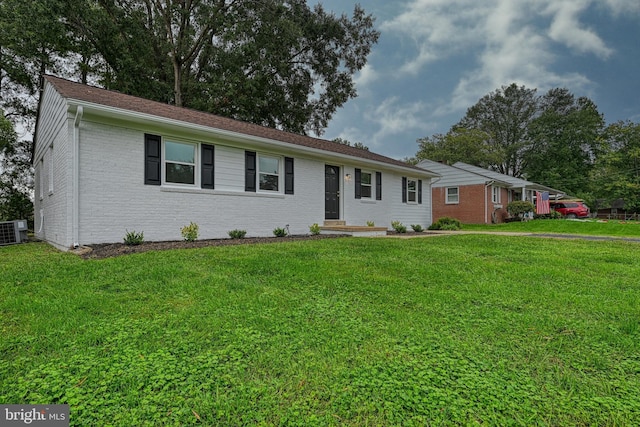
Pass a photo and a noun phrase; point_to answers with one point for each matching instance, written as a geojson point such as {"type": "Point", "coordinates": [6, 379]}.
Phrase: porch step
{"type": "Point", "coordinates": [352, 230]}
{"type": "Point", "coordinates": [334, 222]}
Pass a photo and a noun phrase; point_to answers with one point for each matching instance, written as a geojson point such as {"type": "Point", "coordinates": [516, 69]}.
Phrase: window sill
{"type": "Point", "coordinates": [204, 191]}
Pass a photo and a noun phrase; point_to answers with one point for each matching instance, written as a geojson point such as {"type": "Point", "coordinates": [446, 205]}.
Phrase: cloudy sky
{"type": "Point", "coordinates": [436, 58]}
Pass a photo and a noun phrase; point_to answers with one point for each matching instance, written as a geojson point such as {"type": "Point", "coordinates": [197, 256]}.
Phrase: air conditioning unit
{"type": "Point", "coordinates": [13, 232]}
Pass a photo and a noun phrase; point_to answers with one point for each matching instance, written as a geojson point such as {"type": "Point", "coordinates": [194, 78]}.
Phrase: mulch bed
{"type": "Point", "coordinates": [109, 250]}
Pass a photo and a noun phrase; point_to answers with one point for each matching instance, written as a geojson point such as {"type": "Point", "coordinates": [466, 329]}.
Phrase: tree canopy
{"type": "Point", "coordinates": [504, 116]}
{"type": "Point", "coordinates": [554, 139]}
{"type": "Point", "coordinates": [616, 173]}
{"type": "Point", "coordinates": [277, 63]}
{"type": "Point", "coordinates": [564, 141]}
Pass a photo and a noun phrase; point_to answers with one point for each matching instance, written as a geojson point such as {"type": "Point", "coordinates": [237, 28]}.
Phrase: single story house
{"type": "Point", "coordinates": [475, 195]}
{"type": "Point", "coordinates": [107, 163]}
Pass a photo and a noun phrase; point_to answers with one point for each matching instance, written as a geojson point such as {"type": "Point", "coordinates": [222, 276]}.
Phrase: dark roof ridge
{"type": "Point", "coordinates": [111, 98]}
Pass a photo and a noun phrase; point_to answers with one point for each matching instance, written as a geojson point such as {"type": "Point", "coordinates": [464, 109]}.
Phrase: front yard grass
{"type": "Point", "coordinates": [591, 227]}
{"type": "Point", "coordinates": [448, 330]}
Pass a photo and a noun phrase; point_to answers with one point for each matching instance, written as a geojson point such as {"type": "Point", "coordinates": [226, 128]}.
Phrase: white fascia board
{"type": "Point", "coordinates": [124, 114]}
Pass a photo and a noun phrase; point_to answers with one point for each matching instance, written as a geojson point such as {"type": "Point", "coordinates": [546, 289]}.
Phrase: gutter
{"type": "Point", "coordinates": [75, 216]}
{"type": "Point", "coordinates": [244, 138]}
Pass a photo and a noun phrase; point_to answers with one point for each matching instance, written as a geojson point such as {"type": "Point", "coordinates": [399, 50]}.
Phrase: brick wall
{"type": "Point", "coordinates": [474, 207]}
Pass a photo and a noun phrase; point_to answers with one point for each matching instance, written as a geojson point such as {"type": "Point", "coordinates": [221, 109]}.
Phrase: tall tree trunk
{"type": "Point", "coordinates": [177, 82]}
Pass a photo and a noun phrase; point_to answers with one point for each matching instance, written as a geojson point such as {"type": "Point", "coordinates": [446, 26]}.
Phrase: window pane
{"type": "Point", "coordinates": [411, 185]}
{"type": "Point", "coordinates": [178, 152]}
{"type": "Point", "coordinates": [180, 174]}
{"type": "Point", "coordinates": [269, 165]}
{"type": "Point", "coordinates": [365, 178]}
{"type": "Point", "coordinates": [365, 192]}
{"type": "Point", "coordinates": [412, 196]}
{"type": "Point", "coordinates": [268, 182]}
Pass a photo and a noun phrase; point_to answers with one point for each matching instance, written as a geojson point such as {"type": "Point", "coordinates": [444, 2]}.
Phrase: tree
{"type": "Point", "coordinates": [358, 144]}
{"type": "Point", "coordinates": [32, 41]}
{"type": "Point", "coordinates": [15, 179]}
{"type": "Point", "coordinates": [504, 117]}
{"type": "Point", "coordinates": [564, 142]}
{"type": "Point", "coordinates": [277, 63]}
{"type": "Point", "coordinates": [460, 145]}
{"type": "Point", "coordinates": [616, 174]}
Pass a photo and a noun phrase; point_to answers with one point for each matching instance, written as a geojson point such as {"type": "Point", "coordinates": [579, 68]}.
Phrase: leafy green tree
{"type": "Point", "coordinates": [460, 145]}
{"type": "Point", "coordinates": [616, 174]}
{"type": "Point", "coordinates": [504, 117]}
{"type": "Point", "coordinates": [564, 142]}
{"type": "Point", "coordinates": [33, 41]}
{"type": "Point", "coordinates": [277, 63]}
{"type": "Point", "coordinates": [358, 144]}
{"type": "Point", "coordinates": [15, 176]}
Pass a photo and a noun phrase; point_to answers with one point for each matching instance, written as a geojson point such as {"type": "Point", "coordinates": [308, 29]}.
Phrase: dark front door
{"type": "Point", "coordinates": [331, 192]}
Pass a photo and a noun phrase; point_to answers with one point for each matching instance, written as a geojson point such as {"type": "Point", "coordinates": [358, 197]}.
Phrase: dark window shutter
{"type": "Point", "coordinates": [404, 189]}
{"type": "Point", "coordinates": [358, 183]}
{"type": "Point", "coordinates": [152, 159]}
{"type": "Point", "coordinates": [250, 171]}
{"type": "Point", "coordinates": [206, 167]}
{"type": "Point", "coordinates": [378, 185]}
{"type": "Point", "coordinates": [288, 175]}
{"type": "Point", "coordinates": [419, 191]}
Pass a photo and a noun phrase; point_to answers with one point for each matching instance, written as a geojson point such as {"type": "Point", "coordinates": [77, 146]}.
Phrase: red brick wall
{"type": "Point", "coordinates": [471, 206]}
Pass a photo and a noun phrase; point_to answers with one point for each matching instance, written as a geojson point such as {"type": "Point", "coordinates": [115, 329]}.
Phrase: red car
{"type": "Point", "coordinates": [571, 209]}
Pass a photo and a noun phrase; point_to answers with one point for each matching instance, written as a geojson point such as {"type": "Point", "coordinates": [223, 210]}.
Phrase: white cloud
{"type": "Point", "coordinates": [434, 27]}
{"type": "Point", "coordinates": [393, 118]}
{"type": "Point", "coordinates": [366, 76]}
{"type": "Point", "coordinates": [623, 6]}
{"type": "Point", "coordinates": [505, 41]}
{"type": "Point", "coordinates": [566, 29]}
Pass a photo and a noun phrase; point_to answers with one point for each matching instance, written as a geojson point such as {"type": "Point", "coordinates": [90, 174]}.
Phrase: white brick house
{"type": "Point", "coordinates": [106, 163]}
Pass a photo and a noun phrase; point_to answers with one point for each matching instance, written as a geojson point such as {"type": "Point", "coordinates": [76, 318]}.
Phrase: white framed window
{"type": "Point", "coordinates": [495, 194]}
{"type": "Point", "coordinates": [453, 195]}
{"type": "Point", "coordinates": [269, 173]}
{"type": "Point", "coordinates": [50, 169]}
{"type": "Point", "coordinates": [366, 182]}
{"type": "Point", "coordinates": [180, 163]}
{"type": "Point", "coordinates": [412, 191]}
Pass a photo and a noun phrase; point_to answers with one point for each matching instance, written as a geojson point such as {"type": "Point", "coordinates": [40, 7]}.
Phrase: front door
{"type": "Point", "coordinates": [331, 192]}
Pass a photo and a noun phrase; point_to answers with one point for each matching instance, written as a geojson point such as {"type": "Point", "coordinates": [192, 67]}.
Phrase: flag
{"type": "Point", "coordinates": [542, 203]}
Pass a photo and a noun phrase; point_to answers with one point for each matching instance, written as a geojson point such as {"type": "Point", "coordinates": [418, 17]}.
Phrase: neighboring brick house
{"type": "Point", "coordinates": [475, 195]}
{"type": "Point", "coordinates": [106, 163]}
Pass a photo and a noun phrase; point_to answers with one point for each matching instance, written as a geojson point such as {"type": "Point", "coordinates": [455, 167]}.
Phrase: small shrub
{"type": "Point", "coordinates": [446, 223]}
{"type": "Point", "coordinates": [398, 226]}
{"type": "Point", "coordinates": [417, 228]}
{"type": "Point", "coordinates": [132, 238]}
{"type": "Point", "coordinates": [190, 232]}
{"type": "Point", "coordinates": [371, 224]}
{"type": "Point", "coordinates": [279, 232]}
{"type": "Point", "coordinates": [518, 208]}
{"type": "Point", "coordinates": [314, 229]}
{"type": "Point", "coordinates": [237, 234]}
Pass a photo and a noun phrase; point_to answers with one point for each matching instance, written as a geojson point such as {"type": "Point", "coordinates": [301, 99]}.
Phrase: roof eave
{"type": "Point", "coordinates": [138, 117]}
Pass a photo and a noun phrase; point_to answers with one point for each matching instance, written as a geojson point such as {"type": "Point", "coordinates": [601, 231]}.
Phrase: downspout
{"type": "Point", "coordinates": [76, 178]}
{"type": "Point", "coordinates": [486, 204]}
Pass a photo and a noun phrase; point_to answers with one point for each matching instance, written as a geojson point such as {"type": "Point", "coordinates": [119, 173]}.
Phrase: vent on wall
{"type": "Point", "coordinates": [13, 232]}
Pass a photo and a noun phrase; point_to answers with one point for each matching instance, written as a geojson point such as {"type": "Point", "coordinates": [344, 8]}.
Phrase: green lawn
{"type": "Point", "coordinates": [586, 227]}
{"type": "Point", "coordinates": [446, 330]}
